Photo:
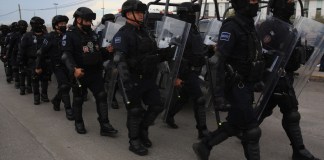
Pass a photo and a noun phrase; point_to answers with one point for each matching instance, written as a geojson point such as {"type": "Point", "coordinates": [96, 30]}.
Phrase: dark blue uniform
{"type": "Point", "coordinates": [240, 50]}
{"type": "Point", "coordinates": [13, 48]}
{"type": "Point", "coordinates": [51, 49]}
{"type": "Point", "coordinates": [137, 69]}
{"type": "Point", "coordinates": [82, 51]}
{"type": "Point", "coordinates": [284, 94]}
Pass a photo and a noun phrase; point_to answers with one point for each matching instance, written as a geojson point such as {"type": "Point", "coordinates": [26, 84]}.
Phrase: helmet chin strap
{"type": "Point", "coordinates": [136, 21]}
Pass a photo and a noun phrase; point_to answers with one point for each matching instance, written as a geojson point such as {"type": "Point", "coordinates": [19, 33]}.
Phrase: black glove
{"type": "Point", "coordinates": [167, 54]}
{"type": "Point", "coordinates": [221, 104]}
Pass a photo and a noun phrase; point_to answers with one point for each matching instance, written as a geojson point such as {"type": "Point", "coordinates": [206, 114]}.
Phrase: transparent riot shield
{"type": "Point", "coordinates": [110, 30]}
{"type": "Point", "coordinates": [173, 32]}
{"type": "Point", "coordinates": [163, 67]}
{"type": "Point", "coordinates": [312, 37]}
{"type": "Point", "coordinates": [99, 28]}
{"type": "Point", "coordinates": [278, 41]}
{"type": "Point", "coordinates": [212, 32]}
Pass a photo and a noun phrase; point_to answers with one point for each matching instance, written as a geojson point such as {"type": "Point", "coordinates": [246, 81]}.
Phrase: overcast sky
{"type": "Point", "coordinates": [46, 8]}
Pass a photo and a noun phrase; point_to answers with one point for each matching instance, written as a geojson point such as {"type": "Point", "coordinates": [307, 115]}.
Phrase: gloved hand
{"type": "Point", "coordinates": [221, 104]}
{"type": "Point", "coordinates": [167, 54]}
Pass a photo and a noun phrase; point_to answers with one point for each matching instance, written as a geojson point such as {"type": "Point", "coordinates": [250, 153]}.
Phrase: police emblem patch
{"type": "Point", "coordinates": [117, 39]}
{"type": "Point", "coordinates": [225, 36]}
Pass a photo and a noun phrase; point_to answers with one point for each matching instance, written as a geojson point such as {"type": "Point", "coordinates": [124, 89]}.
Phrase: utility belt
{"type": "Point", "coordinates": [254, 74]}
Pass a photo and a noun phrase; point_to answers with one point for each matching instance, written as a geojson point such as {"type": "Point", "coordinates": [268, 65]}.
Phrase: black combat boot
{"type": "Point", "coordinates": [79, 127]}
{"type": "Point", "coordinates": [202, 133]}
{"type": "Point", "coordinates": [106, 129]}
{"type": "Point", "coordinates": [36, 99]}
{"type": "Point", "coordinates": [171, 123]}
{"type": "Point", "coordinates": [67, 105]}
{"type": "Point", "coordinates": [56, 103]}
{"type": "Point", "coordinates": [144, 138]}
{"type": "Point", "coordinates": [202, 150]}
{"type": "Point", "coordinates": [22, 90]}
{"type": "Point", "coordinates": [290, 123]}
{"type": "Point", "coordinates": [137, 147]}
{"type": "Point", "coordinates": [44, 97]}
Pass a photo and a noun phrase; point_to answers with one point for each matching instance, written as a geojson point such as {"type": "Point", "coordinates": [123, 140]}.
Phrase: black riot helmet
{"type": "Point", "coordinates": [59, 18]}
{"type": "Point", "coordinates": [107, 17]}
{"type": "Point", "coordinates": [4, 29]}
{"type": "Point", "coordinates": [244, 7]}
{"type": "Point", "coordinates": [187, 11]}
{"type": "Point", "coordinates": [282, 9]}
{"type": "Point", "coordinates": [84, 13]}
{"type": "Point", "coordinates": [36, 21]}
{"type": "Point", "coordinates": [37, 24]}
{"type": "Point", "coordinates": [22, 25]}
{"type": "Point", "coordinates": [13, 26]}
{"type": "Point", "coordinates": [133, 5]}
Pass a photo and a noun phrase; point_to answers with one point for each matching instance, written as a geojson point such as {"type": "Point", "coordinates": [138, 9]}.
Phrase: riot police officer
{"type": "Point", "coordinates": [284, 94]}
{"type": "Point", "coordinates": [192, 61]}
{"type": "Point", "coordinates": [30, 43]}
{"type": "Point", "coordinates": [108, 18]}
{"type": "Point", "coordinates": [3, 42]}
{"type": "Point", "coordinates": [83, 57]}
{"type": "Point", "coordinates": [10, 60]}
{"type": "Point", "coordinates": [51, 49]}
{"type": "Point", "coordinates": [239, 50]}
{"type": "Point", "coordinates": [13, 48]}
{"type": "Point", "coordinates": [136, 57]}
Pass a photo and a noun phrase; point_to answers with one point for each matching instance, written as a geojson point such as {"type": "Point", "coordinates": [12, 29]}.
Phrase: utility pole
{"type": "Point", "coordinates": [19, 11]}
{"type": "Point", "coordinates": [55, 4]}
{"type": "Point", "coordinates": [103, 7]}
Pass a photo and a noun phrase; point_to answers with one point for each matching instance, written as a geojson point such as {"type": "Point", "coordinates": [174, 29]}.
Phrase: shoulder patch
{"type": "Point", "coordinates": [225, 36]}
{"type": "Point", "coordinates": [64, 40]}
{"type": "Point", "coordinates": [45, 42]}
{"type": "Point", "coordinates": [118, 40]}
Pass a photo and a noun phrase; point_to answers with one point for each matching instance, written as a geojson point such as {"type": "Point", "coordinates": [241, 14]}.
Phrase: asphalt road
{"type": "Point", "coordinates": [29, 132]}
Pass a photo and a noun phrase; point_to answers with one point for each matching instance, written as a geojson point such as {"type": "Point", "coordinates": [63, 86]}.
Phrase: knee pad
{"type": "Point", "coordinates": [252, 134]}
{"type": "Point", "coordinates": [200, 101]}
{"type": "Point", "coordinates": [292, 117]}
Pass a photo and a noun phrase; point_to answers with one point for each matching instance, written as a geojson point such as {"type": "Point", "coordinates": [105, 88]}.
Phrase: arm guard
{"type": "Point", "coordinates": [69, 62]}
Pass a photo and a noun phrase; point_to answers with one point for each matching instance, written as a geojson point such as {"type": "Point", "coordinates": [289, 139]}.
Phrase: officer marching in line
{"type": "Point", "coordinates": [83, 58]}
{"type": "Point", "coordinates": [240, 50]}
{"type": "Point", "coordinates": [7, 55]}
{"type": "Point", "coordinates": [51, 49]}
{"type": "Point", "coordinates": [4, 31]}
{"type": "Point", "coordinates": [13, 47]}
{"type": "Point", "coordinates": [30, 43]}
{"type": "Point", "coordinates": [188, 81]}
{"type": "Point", "coordinates": [284, 94]}
{"type": "Point", "coordinates": [108, 18]}
{"type": "Point", "coordinates": [137, 57]}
